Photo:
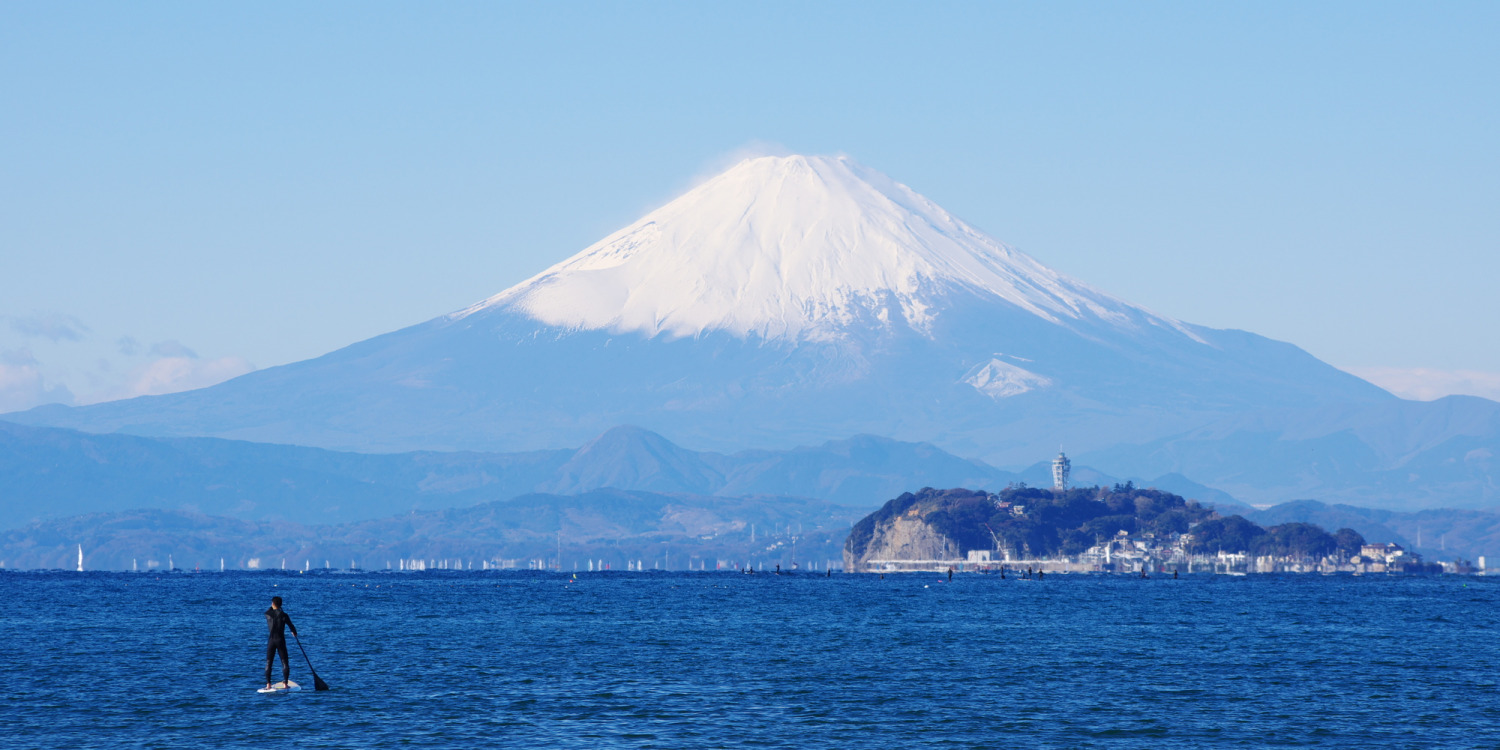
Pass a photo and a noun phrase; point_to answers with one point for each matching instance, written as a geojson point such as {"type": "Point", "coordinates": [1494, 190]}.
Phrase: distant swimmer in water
{"type": "Point", "coordinates": [276, 620]}
{"type": "Point", "coordinates": [950, 574]}
{"type": "Point", "coordinates": [1039, 574]}
{"type": "Point", "coordinates": [1174, 574]}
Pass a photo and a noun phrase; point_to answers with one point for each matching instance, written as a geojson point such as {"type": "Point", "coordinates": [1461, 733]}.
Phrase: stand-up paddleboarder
{"type": "Point", "coordinates": [276, 620]}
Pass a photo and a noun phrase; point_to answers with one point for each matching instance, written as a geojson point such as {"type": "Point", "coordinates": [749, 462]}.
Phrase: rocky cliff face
{"type": "Point", "coordinates": [904, 529]}
{"type": "Point", "coordinates": [903, 539]}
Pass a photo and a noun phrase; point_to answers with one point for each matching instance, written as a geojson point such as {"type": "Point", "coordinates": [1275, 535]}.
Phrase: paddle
{"type": "Point", "coordinates": [318, 683]}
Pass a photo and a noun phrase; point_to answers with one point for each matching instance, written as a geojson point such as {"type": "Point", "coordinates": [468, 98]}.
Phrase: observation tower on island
{"type": "Point", "coordinates": [1061, 467]}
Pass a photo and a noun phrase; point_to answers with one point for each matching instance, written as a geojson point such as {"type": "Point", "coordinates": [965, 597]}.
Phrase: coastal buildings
{"type": "Point", "coordinates": [1151, 554]}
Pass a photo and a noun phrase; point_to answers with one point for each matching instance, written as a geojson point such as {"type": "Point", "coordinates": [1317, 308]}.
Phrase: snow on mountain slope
{"type": "Point", "coordinates": [797, 248]}
{"type": "Point", "coordinates": [786, 301]}
{"type": "Point", "coordinates": [998, 379]}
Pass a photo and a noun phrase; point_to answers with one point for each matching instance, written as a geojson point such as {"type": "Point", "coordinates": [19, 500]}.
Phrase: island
{"type": "Point", "coordinates": [1119, 529]}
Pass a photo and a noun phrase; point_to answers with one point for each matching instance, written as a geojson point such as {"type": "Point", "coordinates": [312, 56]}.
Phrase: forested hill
{"type": "Point", "coordinates": [1039, 522]}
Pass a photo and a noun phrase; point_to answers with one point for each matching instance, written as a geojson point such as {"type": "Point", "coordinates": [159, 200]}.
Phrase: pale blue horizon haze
{"type": "Point", "coordinates": [191, 191]}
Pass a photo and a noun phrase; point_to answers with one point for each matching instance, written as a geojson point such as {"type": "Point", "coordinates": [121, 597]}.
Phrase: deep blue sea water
{"type": "Point", "coordinates": [688, 660]}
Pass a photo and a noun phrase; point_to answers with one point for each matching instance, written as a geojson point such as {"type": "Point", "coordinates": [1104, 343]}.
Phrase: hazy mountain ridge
{"type": "Point", "coordinates": [1405, 455]}
{"type": "Point", "coordinates": [614, 526]}
{"type": "Point", "coordinates": [610, 525]}
{"type": "Point", "coordinates": [1441, 533]}
{"type": "Point", "coordinates": [49, 472]}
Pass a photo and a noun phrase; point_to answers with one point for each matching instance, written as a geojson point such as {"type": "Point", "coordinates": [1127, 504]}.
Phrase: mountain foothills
{"type": "Point", "coordinates": [629, 494]}
{"type": "Point", "coordinates": [49, 473]}
{"type": "Point", "coordinates": [797, 300]}
{"type": "Point", "coordinates": [616, 529]}
{"type": "Point", "coordinates": [623, 528]}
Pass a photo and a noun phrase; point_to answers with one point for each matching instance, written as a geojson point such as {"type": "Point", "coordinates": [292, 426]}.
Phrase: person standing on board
{"type": "Point", "coordinates": [276, 620]}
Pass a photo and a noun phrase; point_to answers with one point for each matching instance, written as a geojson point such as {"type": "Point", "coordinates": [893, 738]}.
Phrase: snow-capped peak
{"type": "Point", "coordinates": [799, 248]}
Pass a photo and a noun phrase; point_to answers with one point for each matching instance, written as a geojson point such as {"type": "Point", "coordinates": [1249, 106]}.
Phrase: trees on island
{"type": "Point", "coordinates": [1237, 534]}
{"type": "Point", "coordinates": [1040, 522]}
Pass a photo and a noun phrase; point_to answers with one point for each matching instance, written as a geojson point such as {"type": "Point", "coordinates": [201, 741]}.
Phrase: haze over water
{"type": "Point", "coordinates": [463, 659]}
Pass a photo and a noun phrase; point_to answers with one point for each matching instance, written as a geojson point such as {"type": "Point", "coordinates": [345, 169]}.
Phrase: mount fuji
{"type": "Point", "coordinates": [786, 301]}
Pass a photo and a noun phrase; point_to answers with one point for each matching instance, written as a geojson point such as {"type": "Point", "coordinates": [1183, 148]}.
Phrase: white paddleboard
{"type": "Point", "coordinates": [281, 687]}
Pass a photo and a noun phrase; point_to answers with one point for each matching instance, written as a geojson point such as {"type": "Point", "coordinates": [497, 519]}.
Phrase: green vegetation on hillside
{"type": "Point", "coordinates": [1040, 522]}
{"type": "Point", "coordinates": [1236, 534]}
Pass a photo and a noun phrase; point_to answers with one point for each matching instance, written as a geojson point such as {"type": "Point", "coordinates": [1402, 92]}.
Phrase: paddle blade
{"type": "Point", "coordinates": [318, 683]}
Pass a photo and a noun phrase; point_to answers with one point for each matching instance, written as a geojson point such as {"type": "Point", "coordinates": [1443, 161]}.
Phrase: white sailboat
{"type": "Point", "coordinates": [80, 558]}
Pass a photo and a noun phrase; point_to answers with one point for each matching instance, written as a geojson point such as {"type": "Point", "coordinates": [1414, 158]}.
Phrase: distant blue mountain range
{"type": "Point", "coordinates": [629, 494]}
{"type": "Point", "coordinates": [617, 528]}
{"type": "Point", "coordinates": [48, 473]}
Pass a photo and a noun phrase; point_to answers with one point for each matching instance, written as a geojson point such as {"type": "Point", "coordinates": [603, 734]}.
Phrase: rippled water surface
{"type": "Point", "coordinates": [726, 660]}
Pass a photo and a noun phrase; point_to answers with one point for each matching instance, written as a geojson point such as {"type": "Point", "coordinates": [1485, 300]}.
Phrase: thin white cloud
{"type": "Point", "coordinates": [1427, 384]}
{"type": "Point", "coordinates": [52, 326]}
{"type": "Point", "coordinates": [164, 367]}
{"type": "Point", "coordinates": [174, 374]}
{"type": "Point", "coordinates": [23, 386]}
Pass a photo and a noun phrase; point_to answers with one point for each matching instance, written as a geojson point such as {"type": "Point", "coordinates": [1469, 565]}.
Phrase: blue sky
{"type": "Point", "coordinates": [191, 190]}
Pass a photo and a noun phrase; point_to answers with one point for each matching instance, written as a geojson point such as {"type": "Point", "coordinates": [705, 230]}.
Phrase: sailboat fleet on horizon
{"type": "Point", "coordinates": [405, 565]}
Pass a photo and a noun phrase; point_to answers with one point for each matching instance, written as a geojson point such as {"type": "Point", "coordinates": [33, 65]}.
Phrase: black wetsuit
{"type": "Point", "coordinates": [276, 620]}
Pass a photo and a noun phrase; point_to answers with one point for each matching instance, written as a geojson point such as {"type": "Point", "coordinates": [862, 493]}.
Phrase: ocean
{"type": "Point", "coordinates": [708, 660]}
